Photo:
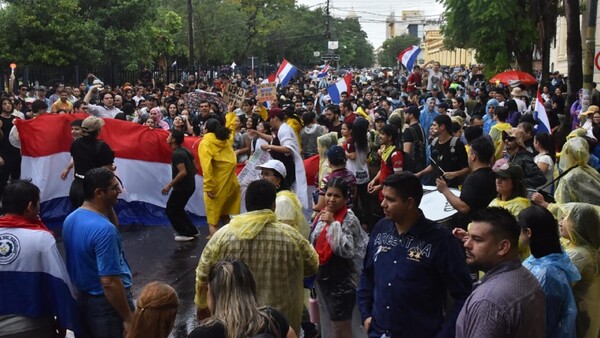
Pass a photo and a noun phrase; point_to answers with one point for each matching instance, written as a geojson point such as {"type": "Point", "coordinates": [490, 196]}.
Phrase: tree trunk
{"type": "Point", "coordinates": [574, 50]}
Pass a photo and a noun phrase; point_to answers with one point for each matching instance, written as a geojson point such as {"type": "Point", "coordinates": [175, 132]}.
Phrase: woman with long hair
{"type": "Point", "coordinates": [241, 142]}
{"type": "Point", "coordinates": [182, 124]}
{"type": "Point", "coordinates": [357, 152]}
{"type": "Point", "coordinates": [579, 226]}
{"type": "Point", "coordinates": [341, 243]}
{"type": "Point", "coordinates": [232, 301]}
{"type": "Point", "coordinates": [546, 157]}
{"type": "Point", "coordinates": [553, 269]}
{"type": "Point", "coordinates": [222, 195]}
{"type": "Point", "coordinates": [155, 312]}
{"type": "Point", "coordinates": [513, 113]}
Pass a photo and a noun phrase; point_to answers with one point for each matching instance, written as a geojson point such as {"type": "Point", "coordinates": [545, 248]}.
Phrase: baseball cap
{"type": "Point", "coordinates": [273, 165]}
{"type": "Point", "coordinates": [97, 82]}
{"type": "Point", "coordinates": [92, 124]}
{"type": "Point", "coordinates": [276, 112]}
{"type": "Point", "coordinates": [508, 170]}
{"type": "Point", "coordinates": [336, 152]}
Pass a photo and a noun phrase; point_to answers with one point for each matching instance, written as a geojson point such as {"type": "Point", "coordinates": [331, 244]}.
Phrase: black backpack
{"type": "Point", "coordinates": [418, 150]}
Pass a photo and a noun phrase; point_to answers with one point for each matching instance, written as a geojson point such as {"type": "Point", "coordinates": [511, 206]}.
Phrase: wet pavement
{"type": "Point", "coordinates": [153, 255]}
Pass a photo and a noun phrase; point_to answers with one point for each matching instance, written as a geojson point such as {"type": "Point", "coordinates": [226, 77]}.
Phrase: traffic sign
{"type": "Point", "coordinates": [597, 61]}
{"type": "Point", "coordinates": [330, 57]}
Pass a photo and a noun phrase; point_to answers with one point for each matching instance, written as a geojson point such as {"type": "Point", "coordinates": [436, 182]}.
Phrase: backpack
{"type": "Point", "coordinates": [418, 150]}
{"type": "Point", "coordinates": [453, 141]}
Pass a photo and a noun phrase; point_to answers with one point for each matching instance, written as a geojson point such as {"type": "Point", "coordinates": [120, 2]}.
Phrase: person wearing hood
{"type": "Point", "coordinates": [222, 194]}
{"type": "Point", "coordinates": [552, 268]}
{"type": "Point", "coordinates": [488, 118]}
{"type": "Point", "coordinates": [579, 227]}
{"type": "Point", "coordinates": [428, 113]}
{"type": "Point", "coordinates": [581, 183]}
{"type": "Point", "coordinates": [157, 116]}
{"type": "Point", "coordinates": [309, 134]}
{"type": "Point", "coordinates": [277, 254]}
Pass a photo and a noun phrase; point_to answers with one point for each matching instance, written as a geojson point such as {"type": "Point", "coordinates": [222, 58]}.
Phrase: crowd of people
{"type": "Point", "coordinates": [519, 258]}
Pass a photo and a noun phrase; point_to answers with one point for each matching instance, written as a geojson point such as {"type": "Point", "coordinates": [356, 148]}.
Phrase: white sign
{"type": "Point", "coordinates": [332, 45]}
{"type": "Point", "coordinates": [317, 54]}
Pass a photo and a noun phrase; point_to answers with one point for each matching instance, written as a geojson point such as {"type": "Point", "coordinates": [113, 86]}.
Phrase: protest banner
{"type": "Point", "coordinates": [234, 94]}
{"type": "Point", "coordinates": [266, 92]}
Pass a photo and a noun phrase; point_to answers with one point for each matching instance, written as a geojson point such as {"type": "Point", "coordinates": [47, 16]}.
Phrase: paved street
{"type": "Point", "coordinates": [154, 256]}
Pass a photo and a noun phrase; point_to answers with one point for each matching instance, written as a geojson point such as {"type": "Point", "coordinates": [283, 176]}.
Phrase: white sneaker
{"type": "Point", "coordinates": [180, 238]}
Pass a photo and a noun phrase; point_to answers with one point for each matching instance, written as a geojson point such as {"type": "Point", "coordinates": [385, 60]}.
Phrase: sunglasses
{"type": "Point", "coordinates": [509, 139]}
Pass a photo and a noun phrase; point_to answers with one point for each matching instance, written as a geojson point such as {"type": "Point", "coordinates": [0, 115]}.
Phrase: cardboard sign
{"type": "Point", "coordinates": [234, 94]}
{"type": "Point", "coordinates": [266, 92]}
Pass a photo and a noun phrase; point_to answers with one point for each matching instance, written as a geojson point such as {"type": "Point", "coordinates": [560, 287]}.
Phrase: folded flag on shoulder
{"type": "Point", "coordinates": [408, 56]}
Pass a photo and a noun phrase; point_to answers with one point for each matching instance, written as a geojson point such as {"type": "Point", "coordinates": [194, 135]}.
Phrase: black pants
{"type": "Point", "coordinates": [76, 195]}
{"type": "Point", "coordinates": [11, 169]}
{"type": "Point", "coordinates": [177, 215]}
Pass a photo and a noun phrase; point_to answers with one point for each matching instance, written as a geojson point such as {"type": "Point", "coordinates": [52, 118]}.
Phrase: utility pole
{"type": "Point", "coordinates": [190, 33]}
{"type": "Point", "coordinates": [327, 34]}
{"type": "Point", "coordinates": [588, 56]}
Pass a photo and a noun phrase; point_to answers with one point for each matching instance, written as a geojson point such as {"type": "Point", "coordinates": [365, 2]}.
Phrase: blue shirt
{"type": "Point", "coordinates": [94, 248]}
{"type": "Point", "coordinates": [406, 278]}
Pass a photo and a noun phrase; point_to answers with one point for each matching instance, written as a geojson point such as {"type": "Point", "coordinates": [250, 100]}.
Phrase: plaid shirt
{"type": "Point", "coordinates": [277, 254]}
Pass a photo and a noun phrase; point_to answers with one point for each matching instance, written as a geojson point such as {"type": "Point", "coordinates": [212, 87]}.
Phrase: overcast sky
{"type": "Point", "coordinates": [372, 13]}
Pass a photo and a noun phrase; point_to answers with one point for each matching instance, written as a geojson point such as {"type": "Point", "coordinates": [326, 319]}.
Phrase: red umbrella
{"type": "Point", "coordinates": [513, 76]}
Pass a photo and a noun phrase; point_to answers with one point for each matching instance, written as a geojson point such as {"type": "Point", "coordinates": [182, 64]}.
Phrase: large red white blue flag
{"type": "Point", "coordinates": [285, 72]}
{"type": "Point", "coordinates": [541, 115]}
{"type": "Point", "coordinates": [408, 56]}
{"type": "Point", "coordinates": [342, 85]}
{"type": "Point", "coordinates": [142, 157]}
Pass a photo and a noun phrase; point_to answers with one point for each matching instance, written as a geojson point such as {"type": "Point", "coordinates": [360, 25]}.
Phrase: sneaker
{"type": "Point", "coordinates": [180, 238]}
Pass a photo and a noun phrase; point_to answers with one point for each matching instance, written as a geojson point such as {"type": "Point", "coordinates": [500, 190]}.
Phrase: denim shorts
{"type": "Point", "coordinates": [98, 317]}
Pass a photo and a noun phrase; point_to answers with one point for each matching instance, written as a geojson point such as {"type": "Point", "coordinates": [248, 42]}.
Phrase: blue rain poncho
{"type": "Point", "coordinates": [556, 274]}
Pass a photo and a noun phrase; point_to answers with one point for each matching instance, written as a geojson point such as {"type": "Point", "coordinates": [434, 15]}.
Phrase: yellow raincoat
{"type": "Point", "coordinates": [581, 184]}
{"type": "Point", "coordinates": [496, 135]}
{"type": "Point", "coordinates": [277, 254]}
{"type": "Point", "coordinates": [289, 211]}
{"type": "Point", "coordinates": [583, 249]}
{"type": "Point", "coordinates": [218, 162]}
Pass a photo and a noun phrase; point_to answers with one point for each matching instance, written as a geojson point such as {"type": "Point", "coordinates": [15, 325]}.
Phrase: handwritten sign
{"type": "Point", "coordinates": [266, 92]}
{"type": "Point", "coordinates": [234, 94]}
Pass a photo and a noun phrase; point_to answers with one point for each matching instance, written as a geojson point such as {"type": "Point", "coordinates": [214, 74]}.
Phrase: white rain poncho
{"type": "Point", "coordinates": [582, 183]}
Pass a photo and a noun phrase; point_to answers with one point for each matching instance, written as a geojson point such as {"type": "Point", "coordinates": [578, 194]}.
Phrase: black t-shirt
{"type": "Point", "coordinates": [218, 330]}
{"type": "Point", "coordinates": [89, 154]}
{"type": "Point", "coordinates": [451, 161]}
{"type": "Point", "coordinates": [478, 190]}
{"type": "Point", "coordinates": [6, 149]}
{"type": "Point", "coordinates": [182, 155]}
{"type": "Point", "coordinates": [199, 121]}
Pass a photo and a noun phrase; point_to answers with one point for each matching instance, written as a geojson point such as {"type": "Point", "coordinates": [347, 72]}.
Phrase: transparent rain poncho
{"type": "Point", "coordinates": [324, 142]}
{"type": "Point", "coordinates": [582, 183]}
{"type": "Point", "coordinates": [583, 250]}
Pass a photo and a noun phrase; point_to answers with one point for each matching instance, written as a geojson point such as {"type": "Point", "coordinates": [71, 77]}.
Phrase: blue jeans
{"type": "Point", "coordinates": [98, 317]}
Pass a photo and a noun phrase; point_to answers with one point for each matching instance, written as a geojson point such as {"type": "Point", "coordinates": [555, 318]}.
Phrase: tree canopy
{"type": "Point", "coordinates": [131, 33]}
{"type": "Point", "coordinates": [501, 32]}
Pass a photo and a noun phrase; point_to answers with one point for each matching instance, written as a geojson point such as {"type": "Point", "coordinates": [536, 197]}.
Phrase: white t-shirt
{"type": "Point", "coordinates": [543, 158]}
{"type": "Point", "coordinates": [434, 78]}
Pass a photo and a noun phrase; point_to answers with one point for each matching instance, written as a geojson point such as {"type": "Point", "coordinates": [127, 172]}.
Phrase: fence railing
{"type": "Point", "coordinates": [34, 75]}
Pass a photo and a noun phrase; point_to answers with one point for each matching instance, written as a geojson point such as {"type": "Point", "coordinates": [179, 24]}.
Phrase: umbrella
{"type": "Point", "coordinates": [514, 76]}
{"type": "Point", "coordinates": [192, 100]}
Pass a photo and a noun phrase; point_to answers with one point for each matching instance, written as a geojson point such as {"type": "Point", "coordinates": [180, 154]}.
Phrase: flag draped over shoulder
{"type": "Point", "coordinates": [408, 56]}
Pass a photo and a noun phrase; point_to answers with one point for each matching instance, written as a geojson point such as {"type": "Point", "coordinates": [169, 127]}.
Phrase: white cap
{"type": "Point", "coordinates": [97, 82]}
{"type": "Point", "coordinates": [274, 165]}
